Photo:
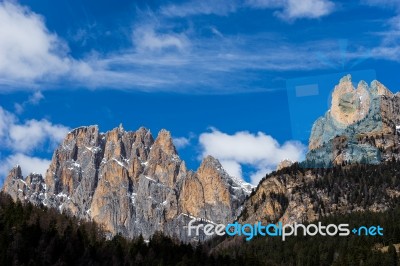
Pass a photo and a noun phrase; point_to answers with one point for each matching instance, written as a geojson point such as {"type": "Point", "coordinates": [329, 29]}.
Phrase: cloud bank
{"type": "Point", "coordinates": [167, 52]}
{"type": "Point", "coordinates": [259, 151]}
{"type": "Point", "coordinates": [27, 49]}
{"type": "Point", "coordinates": [20, 140]}
{"type": "Point", "coordinates": [284, 9]}
{"type": "Point", "coordinates": [29, 164]}
{"type": "Point", "coordinates": [161, 58]}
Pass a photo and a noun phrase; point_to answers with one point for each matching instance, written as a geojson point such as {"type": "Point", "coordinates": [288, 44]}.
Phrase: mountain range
{"type": "Point", "coordinates": [132, 184]}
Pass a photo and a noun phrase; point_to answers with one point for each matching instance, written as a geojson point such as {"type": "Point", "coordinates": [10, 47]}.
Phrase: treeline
{"type": "Point", "coordinates": [36, 235]}
{"type": "Point", "coordinates": [31, 235]}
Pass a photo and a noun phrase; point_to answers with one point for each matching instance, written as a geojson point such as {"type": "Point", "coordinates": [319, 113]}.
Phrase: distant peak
{"type": "Point", "coordinates": [17, 167]}
{"type": "Point", "coordinates": [83, 128]}
{"type": "Point", "coordinates": [362, 84]}
{"type": "Point", "coordinates": [346, 78]}
{"type": "Point", "coordinates": [16, 172]}
{"type": "Point", "coordinates": [283, 164]}
{"type": "Point", "coordinates": [143, 130]}
{"type": "Point", "coordinates": [210, 161]}
{"type": "Point", "coordinates": [164, 141]}
{"type": "Point", "coordinates": [380, 89]}
{"type": "Point", "coordinates": [164, 132]}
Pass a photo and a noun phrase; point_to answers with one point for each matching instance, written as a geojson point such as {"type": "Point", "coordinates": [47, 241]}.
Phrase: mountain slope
{"type": "Point", "coordinates": [299, 194]}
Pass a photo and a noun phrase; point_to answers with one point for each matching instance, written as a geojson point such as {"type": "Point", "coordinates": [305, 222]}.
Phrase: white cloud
{"type": "Point", "coordinates": [145, 37]}
{"type": "Point", "coordinates": [295, 9]}
{"type": "Point", "coordinates": [387, 52]}
{"type": "Point", "coordinates": [160, 59]}
{"type": "Point", "coordinates": [388, 48]}
{"type": "Point", "coordinates": [28, 164]}
{"type": "Point", "coordinates": [249, 148]}
{"type": "Point", "coordinates": [259, 174]}
{"type": "Point", "coordinates": [307, 9]}
{"type": "Point", "coordinates": [286, 9]}
{"type": "Point", "coordinates": [264, 3]}
{"type": "Point", "coordinates": [30, 54]}
{"type": "Point", "coordinates": [181, 142]}
{"type": "Point", "coordinates": [382, 3]}
{"type": "Point", "coordinates": [34, 133]}
{"type": "Point", "coordinates": [259, 151]}
{"type": "Point", "coordinates": [19, 108]}
{"type": "Point", "coordinates": [164, 59]}
{"type": "Point", "coordinates": [21, 139]}
{"type": "Point", "coordinates": [204, 7]}
{"type": "Point", "coordinates": [232, 167]}
{"type": "Point", "coordinates": [27, 49]}
{"type": "Point", "coordinates": [6, 119]}
{"type": "Point", "coordinates": [201, 65]}
{"type": "Point", "coordinates": [30, 135]}
{"type": "Point", "coordinates": [34, 99]}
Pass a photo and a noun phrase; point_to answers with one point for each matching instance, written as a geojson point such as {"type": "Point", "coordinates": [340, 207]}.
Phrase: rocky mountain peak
{"type": "Point", "coordinates": [378, 88]}
{"type": "Point", "coordinates": [29, 188]}
{"type": "Point", "coordinates": [349, 104]}
{"type": "Point", "coordinates": [283, 164]}
{"type": "Point", "coordinates": [164, 142]}
{"type": "Point", "coordinates": [83, 134]}
{"type": "Point", "coordinates": [13, 177]}
{"type": "Point", "coordinates": [15, 173]}
{"type": "Point", "coordinates": [209, 162]}
{"type": "Point", "coordinates": [356, 114]}
{"type": "Point", "coordinates": [130, 183]}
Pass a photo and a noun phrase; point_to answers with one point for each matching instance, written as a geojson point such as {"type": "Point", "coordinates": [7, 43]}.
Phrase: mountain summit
{"type": "Point", "coordinates": [130, 184]}
{"type": "Point", "coordinates": [360, 126]}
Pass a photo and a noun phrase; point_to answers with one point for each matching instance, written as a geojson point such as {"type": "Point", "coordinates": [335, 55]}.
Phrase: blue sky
{"type": "Point", "coordinates": [218, 74]}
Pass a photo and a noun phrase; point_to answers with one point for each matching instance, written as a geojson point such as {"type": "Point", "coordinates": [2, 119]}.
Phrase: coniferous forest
{"type": "Point", "coordinates": [31, 235]}
{"type": "Point", "coordinates": [37, 235]}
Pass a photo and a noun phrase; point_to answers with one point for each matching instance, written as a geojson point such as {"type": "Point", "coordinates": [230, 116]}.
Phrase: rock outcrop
{"type": "Point", "coordinates": [283, 164]}
{"type": "Point", "coordinates": [361, 126]}
{"type": "Point", "coordinates": [131, 184]}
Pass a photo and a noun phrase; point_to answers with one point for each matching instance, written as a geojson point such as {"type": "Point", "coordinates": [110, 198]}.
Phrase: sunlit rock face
{"type": "Point", "coordinates": [350, 105]}
{"type": "Point", "coordinates": [131, 184]}
{"type": "Point", "coordinates": [360, 126]}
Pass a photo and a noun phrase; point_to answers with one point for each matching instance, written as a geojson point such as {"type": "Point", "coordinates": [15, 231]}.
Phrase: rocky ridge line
{"type": "Point", "coordinates": [131, 184]}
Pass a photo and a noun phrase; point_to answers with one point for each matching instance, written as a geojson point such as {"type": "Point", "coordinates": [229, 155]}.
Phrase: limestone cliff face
{"type": "Point", "coordinates": [359, 127]}
{"type": "Point", "coordinates": [131, 184]}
